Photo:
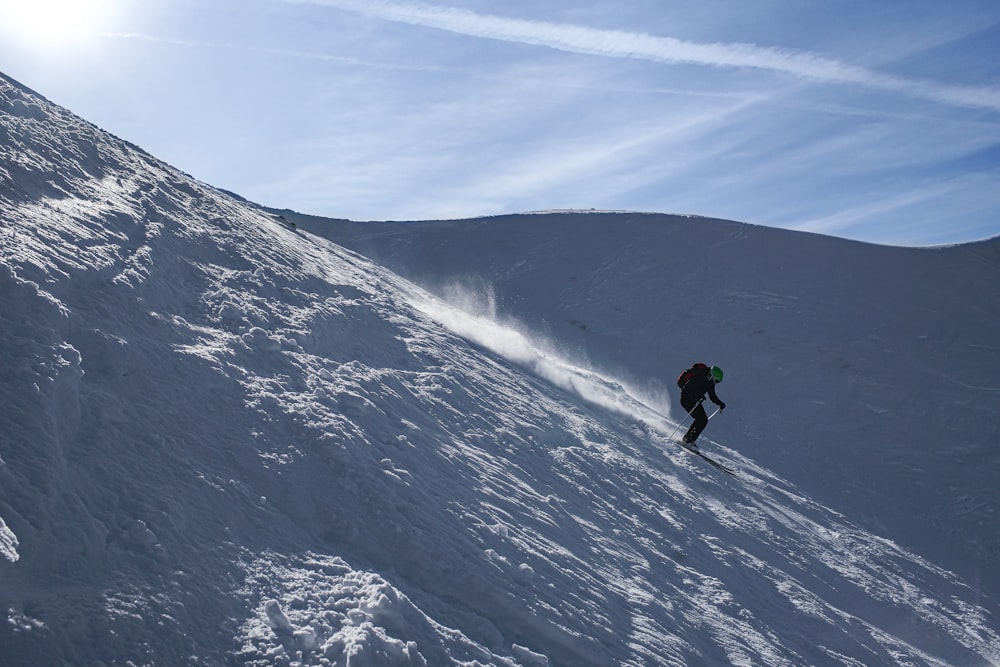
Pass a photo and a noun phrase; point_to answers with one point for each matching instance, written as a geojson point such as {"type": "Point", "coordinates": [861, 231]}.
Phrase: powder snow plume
{"type": "Point", "coordinates": [472, 314]}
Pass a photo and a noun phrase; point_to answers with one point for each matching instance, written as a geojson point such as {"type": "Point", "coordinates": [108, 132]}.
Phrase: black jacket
{"type": "Point", "coordinates": [696, 388]}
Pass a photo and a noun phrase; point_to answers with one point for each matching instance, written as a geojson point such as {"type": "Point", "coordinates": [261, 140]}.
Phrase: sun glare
{"type": "Point", "coordinates": [53, 23]}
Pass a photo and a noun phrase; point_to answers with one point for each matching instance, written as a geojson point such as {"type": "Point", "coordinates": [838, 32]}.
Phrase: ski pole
{"type": "Point", "coordinates": [700, 401]}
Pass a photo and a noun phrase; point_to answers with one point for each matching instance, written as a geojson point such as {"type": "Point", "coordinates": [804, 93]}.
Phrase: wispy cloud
{"type": "Point", "coordinates": [952, 201]}
{"type": "Point", "coordinates": [285, 53]}
{"type": "Point", "coordinates": [851, 216]}
{"type": "Point", "coordinates": [642, 46]}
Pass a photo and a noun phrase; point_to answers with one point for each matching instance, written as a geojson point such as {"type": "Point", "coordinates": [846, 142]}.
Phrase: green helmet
{"type": "Point", "coordinates": [716, 373]}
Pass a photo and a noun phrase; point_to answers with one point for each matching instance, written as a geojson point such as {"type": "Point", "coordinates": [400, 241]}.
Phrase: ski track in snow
{"type": "Point", "coordinates": [225, 441]}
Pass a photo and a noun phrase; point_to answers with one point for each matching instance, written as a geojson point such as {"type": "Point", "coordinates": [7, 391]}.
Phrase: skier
{"type": "Point", "coordinates": [694, 383]}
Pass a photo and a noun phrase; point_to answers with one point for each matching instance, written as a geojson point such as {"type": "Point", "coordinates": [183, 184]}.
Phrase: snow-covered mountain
{"type": "Point", "coordinates": [227, 440]}
{"type": "Point", "coordinates": [871, 373]}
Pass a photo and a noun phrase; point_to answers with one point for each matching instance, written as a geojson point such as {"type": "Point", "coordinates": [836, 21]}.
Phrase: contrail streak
{"type": "Point", "coordinates": [642, 46]}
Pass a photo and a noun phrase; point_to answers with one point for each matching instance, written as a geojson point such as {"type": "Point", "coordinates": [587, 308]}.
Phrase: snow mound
{"type": "Point", "coordinates": [329, 613]}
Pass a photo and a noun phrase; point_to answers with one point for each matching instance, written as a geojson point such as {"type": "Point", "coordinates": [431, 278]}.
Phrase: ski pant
{"type": "Point", "coordinates": [697, 410]}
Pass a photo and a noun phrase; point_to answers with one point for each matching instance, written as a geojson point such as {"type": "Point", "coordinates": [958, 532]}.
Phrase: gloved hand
{"type": "Point", "coordinates": [722, 406]}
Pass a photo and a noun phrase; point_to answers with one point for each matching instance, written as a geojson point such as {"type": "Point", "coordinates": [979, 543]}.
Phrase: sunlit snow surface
{"type": "Point", "coordinates": [224, 440]}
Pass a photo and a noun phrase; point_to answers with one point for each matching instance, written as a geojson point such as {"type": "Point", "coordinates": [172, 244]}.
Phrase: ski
{"type": "Point", "coordinates": [711, 461]}
{"type": "Point", "coordinates": [649, 431]}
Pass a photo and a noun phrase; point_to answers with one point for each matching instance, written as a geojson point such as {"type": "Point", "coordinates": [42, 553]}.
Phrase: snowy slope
{"type": "Point", "coordinates": [227, 441]}
{"type": "Point", "coordinates": [870, 373]}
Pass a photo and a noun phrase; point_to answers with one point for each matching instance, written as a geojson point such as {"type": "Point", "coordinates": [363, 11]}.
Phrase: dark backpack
{"type": "Point", "coordinates": [687, 375]}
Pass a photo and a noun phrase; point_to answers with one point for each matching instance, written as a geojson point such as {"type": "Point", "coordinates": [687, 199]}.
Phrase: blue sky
{"type": "Point", "coordinates": [877, 121]}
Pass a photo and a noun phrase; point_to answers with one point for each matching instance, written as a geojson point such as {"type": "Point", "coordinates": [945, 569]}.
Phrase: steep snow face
{"type": "Point", "coordinates": [225, 441]}
{"type": "Point", "coordinates": [871, 374]}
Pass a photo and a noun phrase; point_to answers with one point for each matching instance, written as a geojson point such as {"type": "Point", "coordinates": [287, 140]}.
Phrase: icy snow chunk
{"type": "Point", "coordinates": [528, 658]}
{"type": "Point", "coordinates": [276, 618]}
{"type": "Point", "coordinates": [357, 617]}
{"type": "Point", "coordinates": [8, 543]}
{"type": "Point", "coordinates": [259, 339]}
{"type": "Point", "coordinates": [525, 572]}
{"type": "Point", "coordinates": [228, 311]}
{"type": "Point", "coordinates": [306, 639]}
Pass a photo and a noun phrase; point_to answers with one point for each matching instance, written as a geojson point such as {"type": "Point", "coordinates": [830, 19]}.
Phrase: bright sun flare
{"type": "Point", "coordinates": [52, 23]}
